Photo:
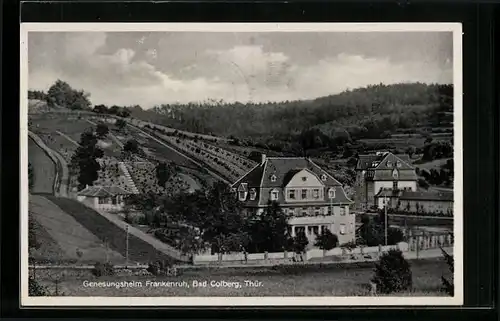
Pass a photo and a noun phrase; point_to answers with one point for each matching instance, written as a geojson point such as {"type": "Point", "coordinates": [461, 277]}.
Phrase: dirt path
{"type": "Point", "coordinates": [44, 169]}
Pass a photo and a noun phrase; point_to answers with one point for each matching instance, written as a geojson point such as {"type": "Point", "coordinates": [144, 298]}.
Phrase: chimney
{"type": "Point", "coordinates": [263, 159]}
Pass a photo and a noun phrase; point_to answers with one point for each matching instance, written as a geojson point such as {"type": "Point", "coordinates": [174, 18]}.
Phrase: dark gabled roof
{"type": "Point", "coordinates": [285, 167]}
{"type": "Point", "coordinates": [427, 196]}
{"type": "Point", "coordinates": [252, 178]}
{"type": "Point", "coordinates": [103, 191]}
{"type": "Point", "coordinates": [365, 162]}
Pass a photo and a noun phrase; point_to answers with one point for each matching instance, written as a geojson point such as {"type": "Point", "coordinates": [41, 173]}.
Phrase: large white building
{"type": "Point", "coordinates": [314, 199]}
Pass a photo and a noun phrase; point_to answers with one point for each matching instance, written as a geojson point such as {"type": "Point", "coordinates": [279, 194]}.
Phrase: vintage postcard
{"type": "Point", "coordinates": [273, 164]}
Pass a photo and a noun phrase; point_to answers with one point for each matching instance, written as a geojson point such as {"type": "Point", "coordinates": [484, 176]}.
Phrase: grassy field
{"type": "Point", "coordinates": [44, 170]}
{"type": "Point", "coordinates": [104, 230]}
{"type": "Point", "coordinates": [332, 280]}
{"type": "Point", "coordinates": [75, 243]}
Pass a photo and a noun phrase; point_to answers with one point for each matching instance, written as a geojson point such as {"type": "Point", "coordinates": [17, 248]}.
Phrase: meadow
{"type": "Point", "coordinates": [314, 280]}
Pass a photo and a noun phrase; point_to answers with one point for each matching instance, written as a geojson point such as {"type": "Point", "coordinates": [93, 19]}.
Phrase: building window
{"type": "Point", "coordinates": [342, 229]}
{"type": "Point", "coordinates": [342, 210]}
{"type": "Point", "coordinates": [323, 177]}
{"type": "Point", "coordinates": [304, 178]}
{"type": "Point", "coordinates": [304, 211]}
{"type": "Point", "coordinates": [274, 195]}
{"type": "Point", "coordinates": [331, 193]}
{"type": "Point", "coordinates": [395, 185]}
{"type": "Point", "coordinates": [316, 193]}
{"type": "Point", "coordinates": [317, 210]}
{"type": "Point", "coordinates": [304, 194]}
{"type": "Point", "coordinates": [330, 210]}
{"type": "Point", "coordinates": [395, 173]}
{"type": "Point", "coordinates": [253, 194]}
{"type": "Point", "coordinates": [398, 164]}
{"type": "Point", "coordinates": [242, 196]}
{"type": "Point", "coordinates": [114, 200]}
{"type": "Point", "coordinates": [315, 230]}
{"type": "Point", "coordinates": [273, 178]}
{"type": "Point", "coordinates": [102, 200]}
{"type": "Point", "coordinates": [291, 194]}
{"type": "Point", "coordinates": [389, 164]}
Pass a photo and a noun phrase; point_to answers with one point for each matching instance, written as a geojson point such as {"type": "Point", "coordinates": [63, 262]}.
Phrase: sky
{"type": "Point", "coordinates": [151, 68]}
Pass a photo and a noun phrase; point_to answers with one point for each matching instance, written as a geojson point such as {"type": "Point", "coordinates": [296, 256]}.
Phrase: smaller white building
{"type": "Point", "coordinates": [106, 198]}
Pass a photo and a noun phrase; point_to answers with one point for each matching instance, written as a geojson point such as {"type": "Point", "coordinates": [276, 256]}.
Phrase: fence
{"type": "Point", "coordinates": [415, 243]}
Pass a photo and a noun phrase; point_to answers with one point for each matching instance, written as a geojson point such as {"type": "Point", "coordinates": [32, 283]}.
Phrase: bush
{"type": "Point", "coordinates": [392, 273]}
{"type": "Point", "coordinates": [326, 240]}
{"type": "Point", "coordinates": [103, 269]}
{"type": "Point", "coordinates": [36, 289]}
{"type": "Point", "coordinates": [300, 243]}
{"type": "Point", "coordinates": [159, 268]}
{"type": "Point", "coordinates": [448, 285]}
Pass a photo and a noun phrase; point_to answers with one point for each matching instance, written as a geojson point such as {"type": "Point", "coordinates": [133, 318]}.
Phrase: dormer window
{"type": "Point", "coordinates": [398, 164]}
{"type": "Point", "coordinates": [304, 178]}
{"type": "Point", "coordinates": [395, 174]}
{"type": "Point", "coordinates": [273, 178]}
{"type": "Point", "coordinates": [331, 193]}
{"type": "Point", "coordinates": [253, 194]}
{"type": "Point", "coordinates": [389, 164]}
{"type": "Point", "coordinates": [323, 177]}
{"type": "Point", "coordinates": [242, 195]}
{"type": "Point", "coordinates": [274, 195]}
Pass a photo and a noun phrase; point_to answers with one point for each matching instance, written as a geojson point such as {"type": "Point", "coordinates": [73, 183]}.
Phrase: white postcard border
{"type": "Point", "coordinates": [457, 299]}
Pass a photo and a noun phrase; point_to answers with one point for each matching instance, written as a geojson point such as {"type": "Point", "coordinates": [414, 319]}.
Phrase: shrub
{"type": "Point", "coordinates": [36, 289]}
{"type": "Point", "coordinates": [448, 285]}
{"type": "Point", "coordinates": [300, 242]}
{"type": "Point", "coordinates": [103, 269]}
{"type": "Point", "coordinates": [392, 273]}
{"type": "Point", "coordinates": [158, 268]}
{"type": "Point", "coordinates": [326, 240]}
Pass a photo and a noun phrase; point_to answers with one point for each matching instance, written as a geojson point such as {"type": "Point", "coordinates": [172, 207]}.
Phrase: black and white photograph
{"type": "Point", "coordinates": [231, 164]}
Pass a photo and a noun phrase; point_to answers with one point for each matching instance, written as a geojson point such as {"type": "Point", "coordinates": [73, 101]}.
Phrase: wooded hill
{"type": "Point", "coordinates": [368, 112]}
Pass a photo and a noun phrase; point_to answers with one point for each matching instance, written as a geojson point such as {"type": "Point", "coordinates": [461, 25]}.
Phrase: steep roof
{"type": "Point", "coordinates": [284, 169]}
{"type": "Point", "coordinates": [366, 162]}
{"type": "Point", "coordinates": [103, 191]}
{"type": "Point", "coordinates": [427, 196]}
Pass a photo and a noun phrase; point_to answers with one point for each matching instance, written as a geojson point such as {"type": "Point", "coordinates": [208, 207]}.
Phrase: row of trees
{"type": "Point", "coordinates": [113, 110]}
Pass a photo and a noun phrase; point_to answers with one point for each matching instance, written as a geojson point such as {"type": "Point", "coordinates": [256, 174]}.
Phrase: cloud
{"type": "Point", "coordinates": [143, 75]}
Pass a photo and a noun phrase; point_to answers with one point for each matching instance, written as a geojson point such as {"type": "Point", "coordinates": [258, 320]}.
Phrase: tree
{"type": "Point", "coordinates": [60, 94]}
{"type": "Point", "coordinates": [164, 172]}
{"type": "Point", "coordinates": [300, 242]}
{"type": "Point", "coordinates": [31, 176]}
{"type": "Point", "coordinates": [131, 146]}
{"type": "Point", "coordinates": [448, 285]}
{"type": "Point", "coordinates": [101, 130]}
{"type": "Point", "coordinates": [269, 229]}
{"type": "Point", "coordinates": [120, 123]}
{"type": "Point", "coordinates": [326, 240]}
{"type": "Point", "coordinates": [125, 112]}
{"type": "Point", "coordinates": [100, 109]}
{"type": "Point", "coordinates": [85, 159]}
{"type": "Point", "coordinates": [114, 110]}
{"type": "Point", "coordinates": [392, 273]}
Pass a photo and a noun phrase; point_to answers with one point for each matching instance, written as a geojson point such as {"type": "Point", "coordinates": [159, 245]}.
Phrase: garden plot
{"type": "Point", "coordinates": [110, 174]}
{"type": "Point", "coordinates": [138, 250]}
{"type": "Point", "coordinates": [76, 242]}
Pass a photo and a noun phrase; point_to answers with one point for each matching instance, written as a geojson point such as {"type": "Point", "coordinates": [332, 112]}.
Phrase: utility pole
{"type": "Point", "coordinates": [126, 247]}
{"type": "Point", "coordinates": [385, 216]}
{"type": "Point", "coordinates": [106, 249]}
